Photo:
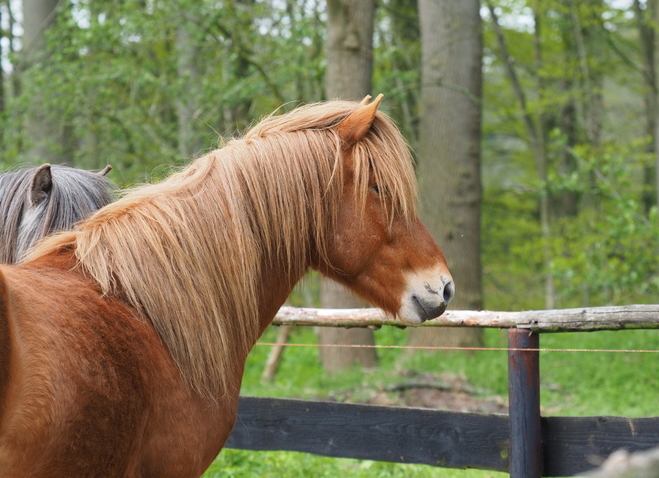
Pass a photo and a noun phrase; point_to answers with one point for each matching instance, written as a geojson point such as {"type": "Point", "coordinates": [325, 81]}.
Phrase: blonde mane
{"type": "Point", "coordinates": [188, 253]}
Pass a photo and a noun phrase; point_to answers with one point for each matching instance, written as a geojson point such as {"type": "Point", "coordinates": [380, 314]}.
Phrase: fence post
{"type": "Point", "coordinates": [524, 404]}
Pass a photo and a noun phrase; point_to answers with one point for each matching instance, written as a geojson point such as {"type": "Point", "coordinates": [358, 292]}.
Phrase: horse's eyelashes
{"type": "Point", "coordinates": [379, 190]}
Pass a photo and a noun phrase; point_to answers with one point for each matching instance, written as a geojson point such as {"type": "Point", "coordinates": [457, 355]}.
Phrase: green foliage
{"type": "Point", "coordinates": [144, 86]}
{"type": "Point", "coordinates": [587, 105]}
{"type": "Point", "coordinates": [118, 72]}
{"type": "Point", "coordinates": [511, 250]}
{"type": "Point", "coordinates": [615, 261]}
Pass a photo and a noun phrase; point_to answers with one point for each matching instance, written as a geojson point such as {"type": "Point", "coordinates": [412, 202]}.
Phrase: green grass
{"type": "Point", "coordinates": [244, 464]}
{"type": "Point", "coordinates": [572, 383]}
{"type": "Point", "coordinates": [600, 383]}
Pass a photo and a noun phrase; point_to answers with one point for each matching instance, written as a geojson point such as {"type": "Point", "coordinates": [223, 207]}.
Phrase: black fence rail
{"type": "Point", "coordinates": [522, 443]}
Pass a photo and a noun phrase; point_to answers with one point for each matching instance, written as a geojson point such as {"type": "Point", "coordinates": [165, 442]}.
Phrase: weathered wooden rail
{"type": "Point", "coordinates": [522, 443]}
{"type": "Point", "coordinates": [585, 319]}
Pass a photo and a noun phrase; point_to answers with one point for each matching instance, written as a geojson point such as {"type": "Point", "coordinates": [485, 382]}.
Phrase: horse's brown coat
{"type": "Point", "coordinates": [122, 402]}
{"type": "Point", "coordinates": [91, 385]}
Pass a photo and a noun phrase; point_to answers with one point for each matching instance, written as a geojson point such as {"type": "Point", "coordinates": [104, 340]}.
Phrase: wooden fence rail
{"type": "Point", "coordinates": [570, 445]}
{"type": "Point", "coordinates": [514, 443]}
{"type": "Point", "coordinates": [585, 319]}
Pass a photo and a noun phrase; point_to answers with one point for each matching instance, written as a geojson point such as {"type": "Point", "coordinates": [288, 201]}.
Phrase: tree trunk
{"type": "Point", "coordinates": [186, 108]}
{"type": "Point", "coordinates": [238, 62]}
{"type": "Point", "coordinates": [536, 133]}
{"type": "Point", "coordinates": [588, 44]}
{"type": "Point", "coordinates": [349, 49]}
{"type": "Point", "coordinates": [13, 49]}
{"type": "Point", "coordinates": [449, 151]}
{"type": "Point", "coordinates": [348, 76]}
{"type": "Point", "coordinates": [404, 36]}
{"type": "Point", "coordinates": [2, 93]}
{"type": "Point", "coordinates": [654, 12]}
{"type": "Point", "coordinates": [542, 163]}
{"type": "Point", "coordinates": [645, 18]}
{"type": "Point", "coordinates": [50, 138]}
{"type": "Point", "coordinates": [38, 15]}
{"type": "Point", "coordinates": [590, 108]}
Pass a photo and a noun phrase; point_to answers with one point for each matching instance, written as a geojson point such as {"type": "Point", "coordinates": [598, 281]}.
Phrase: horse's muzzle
{"type": "Point", "coordinates": [426, 299]}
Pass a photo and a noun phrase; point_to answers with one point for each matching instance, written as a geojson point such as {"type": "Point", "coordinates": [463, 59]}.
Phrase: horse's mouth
{"type": "Point", "coordinates": [427, 310]}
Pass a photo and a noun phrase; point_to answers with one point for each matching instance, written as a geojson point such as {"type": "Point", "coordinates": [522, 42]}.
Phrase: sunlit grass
{"type": "Point", "coordinates": [244, 464]}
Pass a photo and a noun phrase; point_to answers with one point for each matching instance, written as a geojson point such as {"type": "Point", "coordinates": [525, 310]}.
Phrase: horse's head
{"type": "Point", "coordinates": [41, 184]}
{"type": "Point", "coordinates": [55, 198]}
{"type": "Point", "coordinates": [379, 248]}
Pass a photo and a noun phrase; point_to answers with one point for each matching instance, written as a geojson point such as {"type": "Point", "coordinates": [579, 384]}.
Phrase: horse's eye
{"type": "Point", "coordinates": [376, 189]}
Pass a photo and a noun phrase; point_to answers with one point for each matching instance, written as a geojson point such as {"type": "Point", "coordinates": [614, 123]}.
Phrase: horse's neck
{"type": "Point", "coordinates": [276, 286]}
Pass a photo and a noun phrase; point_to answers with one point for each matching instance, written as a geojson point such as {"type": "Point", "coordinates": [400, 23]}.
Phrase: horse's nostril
{"type": "Point", "coordinates": [449, 292]}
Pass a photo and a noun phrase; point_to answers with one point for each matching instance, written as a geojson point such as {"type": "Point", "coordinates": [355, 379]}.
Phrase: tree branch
{"type": "Point", "coordinates": [246, 54]}
{"type": "Point", "coordinates": [508, 63]}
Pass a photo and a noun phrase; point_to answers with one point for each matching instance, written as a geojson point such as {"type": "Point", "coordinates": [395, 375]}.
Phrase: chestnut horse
{"type": "Point", "coordinates": [124, 341]}
{"type": "Point", "coordinates": [35, 202]}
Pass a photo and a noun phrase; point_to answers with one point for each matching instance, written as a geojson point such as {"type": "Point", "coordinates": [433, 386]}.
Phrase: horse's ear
{"type": "Point", "coordinates": [366, 100]}
{"type": "Point", "coordinates": [105, 170]}
{"type": "Point", "coordinates": [355, 126]}
{"type": "Point", "coordinates": [42, 183]}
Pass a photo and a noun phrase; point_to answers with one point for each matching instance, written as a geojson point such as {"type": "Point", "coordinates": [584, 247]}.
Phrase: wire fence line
{"type": "Point", "coordinates": [471, 349]}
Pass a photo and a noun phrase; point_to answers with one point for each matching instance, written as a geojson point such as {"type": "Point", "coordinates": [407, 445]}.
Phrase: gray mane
{"type": "Point", "coordinates": [72, 195]}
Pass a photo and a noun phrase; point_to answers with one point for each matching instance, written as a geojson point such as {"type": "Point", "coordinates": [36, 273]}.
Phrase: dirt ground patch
{"type": "Point", "coordinates": [437, 392]}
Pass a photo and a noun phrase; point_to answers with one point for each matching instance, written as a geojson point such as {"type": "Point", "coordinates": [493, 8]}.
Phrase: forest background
{"type": "Point", "coordinates": [144, 85]}
{"type": "Point", "coordinates": [566, 158]}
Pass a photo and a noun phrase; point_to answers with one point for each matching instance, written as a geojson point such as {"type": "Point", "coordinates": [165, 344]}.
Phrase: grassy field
{"type": "Point", "coordinates": [573, 383]}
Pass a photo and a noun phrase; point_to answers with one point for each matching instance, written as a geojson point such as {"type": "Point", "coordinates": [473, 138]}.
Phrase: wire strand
{"type": "Point", "coordinates": [478, 349]}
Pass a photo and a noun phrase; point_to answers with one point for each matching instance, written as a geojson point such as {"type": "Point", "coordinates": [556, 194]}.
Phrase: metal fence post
{"type": "Point", "coordinates": [524, 404]}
